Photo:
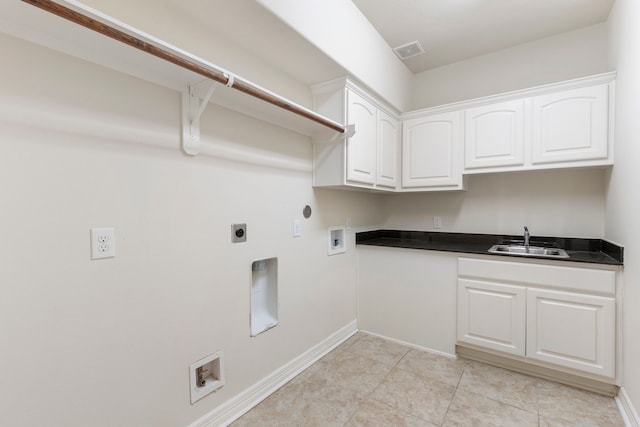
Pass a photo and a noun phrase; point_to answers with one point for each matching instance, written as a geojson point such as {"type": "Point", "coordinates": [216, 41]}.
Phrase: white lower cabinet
{"type": "Point", "coordinates": [550, 315]}
{"type": "Point", "coordinates": [492, 315]}
{"type": "Point", "coordinates": [572, 330]}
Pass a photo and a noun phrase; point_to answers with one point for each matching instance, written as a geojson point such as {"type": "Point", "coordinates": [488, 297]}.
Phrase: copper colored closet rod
{"type": "Point", "coordinates": [208, 72]}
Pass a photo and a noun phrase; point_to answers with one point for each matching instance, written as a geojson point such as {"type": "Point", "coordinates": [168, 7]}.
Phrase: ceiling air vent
{"type": "Point", "coordinates": [409, 50]}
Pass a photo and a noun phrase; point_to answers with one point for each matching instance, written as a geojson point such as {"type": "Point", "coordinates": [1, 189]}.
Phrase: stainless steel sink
{"type": "Point", "coordinates": [530, 251]}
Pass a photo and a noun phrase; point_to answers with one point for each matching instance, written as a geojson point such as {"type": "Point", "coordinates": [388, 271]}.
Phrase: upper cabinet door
{"type": "Point", "coordinates": [361, 147]}
{"type": "Point", "coordinates": [571, 125]}
{"type": "Point", "coordinates": [431, 150]}
{"type": "Point", "coordinates": [494, 135]}
{"type": "Point", "coordinates": [388, 150]}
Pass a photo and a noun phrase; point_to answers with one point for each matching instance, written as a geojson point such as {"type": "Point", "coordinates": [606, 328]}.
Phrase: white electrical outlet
{"type": "Point", "coordinates": [437, 222]}
{"type": "Point", "coordinates": [297, 228]}
{"type": "Point", "coordinates": [103, 243]}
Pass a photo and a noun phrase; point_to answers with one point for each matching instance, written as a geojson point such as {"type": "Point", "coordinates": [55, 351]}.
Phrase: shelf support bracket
{"type": "Point", "coordinates": [192, 109]}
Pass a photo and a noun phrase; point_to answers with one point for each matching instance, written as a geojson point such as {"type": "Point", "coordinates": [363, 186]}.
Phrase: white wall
{"type": "Point", "coordinates": [565, 56]}
{"type": "Point", "coordinates": [551, 203]}
{"type": "Point", "coordinates": [623, 204]}
{"type": "Point", "coordinates": [109, 342]}
{"type": "Point", "coordinates": [408, 295]}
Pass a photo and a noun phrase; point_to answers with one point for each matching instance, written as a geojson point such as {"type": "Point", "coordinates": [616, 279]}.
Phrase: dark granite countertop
{"type": "Point", "coordinates": [594, 251]}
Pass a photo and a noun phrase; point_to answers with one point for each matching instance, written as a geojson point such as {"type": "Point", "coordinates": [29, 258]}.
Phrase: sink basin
{"type": "Point", "coordinates": [531, 251]}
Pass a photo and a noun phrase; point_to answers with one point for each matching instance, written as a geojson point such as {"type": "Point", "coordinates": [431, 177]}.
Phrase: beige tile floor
{"type": "Point", "coordinates": [368, 381]}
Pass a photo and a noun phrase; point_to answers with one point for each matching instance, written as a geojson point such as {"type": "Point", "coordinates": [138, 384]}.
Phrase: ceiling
{"type": "Point", "coordinates": [449, 30]}
{"type": "Point", "coordinates": [454, 30]}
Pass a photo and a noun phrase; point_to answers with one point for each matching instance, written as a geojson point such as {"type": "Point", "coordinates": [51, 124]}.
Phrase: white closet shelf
{"type": "Point", "coordinates": [73, 28]}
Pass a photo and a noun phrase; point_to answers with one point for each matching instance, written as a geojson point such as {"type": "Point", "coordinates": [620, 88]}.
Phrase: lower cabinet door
{"type": "Point", "coordinates": [492, 315]}
{"type": "Point", "coordinates": [572, 330]}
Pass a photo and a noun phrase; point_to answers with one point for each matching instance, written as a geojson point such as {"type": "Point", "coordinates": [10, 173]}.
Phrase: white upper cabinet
{"type": "Point", "coordinates": [431, 150]}
{"type": "Point", "coordinates": [362, 146]}
{"type": "Point", "coordinates": [571, 125]}
{"type": "Point", "coordinates": [564, 125]}
{"type": "Point", "coordinates": [388, 150]}
{"type": "Point", "coordinates": [369, 158]}
{"type": "Point", "coordinates": [561, 125]}
{"type": "Point", "coordinates": [494, 135]}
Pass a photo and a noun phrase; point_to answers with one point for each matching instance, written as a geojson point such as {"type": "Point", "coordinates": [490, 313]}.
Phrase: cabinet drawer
{"type": "Point", "coordinates": [553, 276]}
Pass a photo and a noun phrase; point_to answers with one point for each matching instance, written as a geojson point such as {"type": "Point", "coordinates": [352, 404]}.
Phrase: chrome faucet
{"type": "Point", "coordinates": [526, 237]}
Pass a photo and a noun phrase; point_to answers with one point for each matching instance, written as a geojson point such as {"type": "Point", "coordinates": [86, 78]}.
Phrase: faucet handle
{"type": "Point", "coordinates": [526, 230]}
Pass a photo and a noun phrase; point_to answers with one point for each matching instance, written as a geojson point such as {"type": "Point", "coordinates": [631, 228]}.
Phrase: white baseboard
{"type": "Point", "coordinates": [629, 414]}
{"type": "Point", "coordinates": [232, 409]}
{"type": "Point", "coordinates": [408, 344]}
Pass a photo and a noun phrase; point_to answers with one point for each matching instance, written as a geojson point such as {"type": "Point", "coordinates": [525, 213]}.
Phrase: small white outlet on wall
{"type": "Point", "coordinates": [103, 243]}
{"type": "Point", "coordinates": [297, 228]}
{"type": "Point", "coordinates": [437, 222]}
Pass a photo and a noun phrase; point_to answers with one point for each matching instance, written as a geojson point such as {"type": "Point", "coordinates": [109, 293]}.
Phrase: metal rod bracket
{"type": "Point", "coordinates": [192, 109]}
{"type": "Point", "coordinates": [349, 131]}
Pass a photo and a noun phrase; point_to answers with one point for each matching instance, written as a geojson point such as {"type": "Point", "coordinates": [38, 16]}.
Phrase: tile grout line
{"type": "Point", "coordinates": [392, 367]}
{"type": "Point", "coordinates": [373, 390]}
{"type": "Point", "coordinates": [455, 390]}
{"type": "Point", "coordinates": [538, 400]}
